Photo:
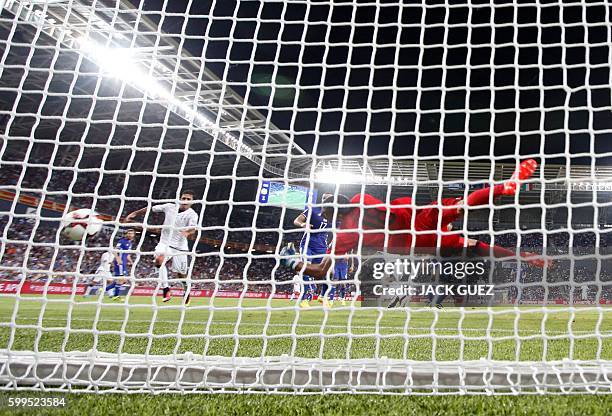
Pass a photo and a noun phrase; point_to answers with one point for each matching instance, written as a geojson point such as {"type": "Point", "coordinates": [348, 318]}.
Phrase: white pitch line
{"type": "Point", "coordinates": [280, 325]}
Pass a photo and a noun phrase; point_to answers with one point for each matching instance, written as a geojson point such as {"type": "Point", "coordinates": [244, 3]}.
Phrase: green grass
{"type": "Point", "coordinates": [254, 328]}
{"type": "Point", "coordinates": [207, 404]}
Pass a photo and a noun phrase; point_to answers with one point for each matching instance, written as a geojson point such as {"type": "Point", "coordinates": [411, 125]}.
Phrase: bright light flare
{"type": "Point", "coordinates": [120, 63]}
{"type": "Point", "coordinates": [342, 178]}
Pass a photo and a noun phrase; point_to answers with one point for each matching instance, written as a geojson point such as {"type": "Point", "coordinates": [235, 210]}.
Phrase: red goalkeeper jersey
{"type": "Point", "coordinates": [373, 220]}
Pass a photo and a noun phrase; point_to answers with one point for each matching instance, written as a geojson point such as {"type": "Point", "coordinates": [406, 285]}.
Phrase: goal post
{"type": "Point", "coordinates": [263, 111]}
{"type": "Point", "coordinates": [188, 373]}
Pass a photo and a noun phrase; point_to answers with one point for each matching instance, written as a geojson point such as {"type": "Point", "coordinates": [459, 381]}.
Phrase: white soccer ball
{"type": "Point", "coordinates": [81, 223]}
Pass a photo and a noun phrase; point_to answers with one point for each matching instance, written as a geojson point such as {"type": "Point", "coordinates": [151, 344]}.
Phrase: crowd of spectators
{"type": "Point", "coordinates": [239, 255]}
{"type": "Point", "coordinates": [44, 254]}
{"type": "Point", "coordinates": [40, 251]}
{"type": "Point", "coordinates": [65, 187]}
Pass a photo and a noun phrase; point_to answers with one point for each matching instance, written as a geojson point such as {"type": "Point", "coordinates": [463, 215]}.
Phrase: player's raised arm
{"type": "Point", "coordinates": [301, 221]}
{"type": "Point", "coordinates": [135, 214]}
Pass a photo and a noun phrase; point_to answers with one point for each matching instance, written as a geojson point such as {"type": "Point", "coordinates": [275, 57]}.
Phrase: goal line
{"type": "Point", "coordinates": [96, 371]}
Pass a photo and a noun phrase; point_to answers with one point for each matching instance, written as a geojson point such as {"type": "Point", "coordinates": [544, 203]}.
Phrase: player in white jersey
{"type": "Point", "coordinates": [103, 272]}
{"type": "Point", "coordinates": [180, 221]}
{"type": "Point", "coordinates": [297, 287]}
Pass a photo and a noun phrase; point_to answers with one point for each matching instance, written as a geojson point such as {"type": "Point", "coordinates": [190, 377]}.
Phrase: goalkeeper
{"type": "Point", "coordinates": [399, 221]}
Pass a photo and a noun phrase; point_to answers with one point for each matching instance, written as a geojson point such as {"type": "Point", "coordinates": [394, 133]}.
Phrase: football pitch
{"type": "Point", "coordinates": [254, 328]}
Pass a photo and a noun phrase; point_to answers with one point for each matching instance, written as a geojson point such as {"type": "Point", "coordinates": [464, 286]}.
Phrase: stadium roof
{"type": "Point", "coordinates": [195, 94]}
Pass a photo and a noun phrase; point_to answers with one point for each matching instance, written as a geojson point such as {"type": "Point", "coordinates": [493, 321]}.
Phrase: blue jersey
{"type": "Point", "coordinates": [122, 246]}
{"type": "Point", "coordinates": [315, 237]}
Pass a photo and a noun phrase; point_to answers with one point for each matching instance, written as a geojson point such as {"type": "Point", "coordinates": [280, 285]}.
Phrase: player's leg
{"type": "Point", "coordinates": [435, 299]}
{"type": "Point", "coordinates": [113, 288]}
{"type": "Point", "coordinates": [336, 277]}
{"type": "Point", "coordinates": [451, 211]}
{"type": "Point", "coordinates": [523, 171]}
{"type": "Point", "coordinates": [314, 258]}
{"type": "Point", "coordinates": [120, 281]}
{"type": "Point", "coordinates": [89, 288]}
{"type": "Point", "coordinates": [309, 288]}
{"type": "Point", "coordinates": [161, 258]}
{"type": "Point", "coordinates": [332, 289]}
{"type": "Point", "coordinates": [180, 265]}
{"type": "Point", "coordinates": [98, 282]}
{"type": "Point", "coordinates": [342, 275]}
{"type": "Point", "coordinates": [323, 289]}
{"type": "Point", "coordinates": [117, 289]}
{"type": "Point", "coordinates": [342, 293]}
{"type": "Point", "coordinates": [110, 288]}
{"type": "Point", "coordinates": [308, 292]}
{"type": "Point", "coordinates": [186, 288]}
{"type": "Point", "coordinates": [397, 301]}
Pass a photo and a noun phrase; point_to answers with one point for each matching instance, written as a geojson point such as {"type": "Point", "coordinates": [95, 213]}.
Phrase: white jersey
{"type": "Point", "coordinates": [176, 221]}
{"type": "Point", "coordinates": [105, 262]}
{"type": "Point", "coordinates": [297, 283]}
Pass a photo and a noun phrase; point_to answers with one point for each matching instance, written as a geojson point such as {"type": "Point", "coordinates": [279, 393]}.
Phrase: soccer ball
{"type": "Point", "coordinates": [80, 223]}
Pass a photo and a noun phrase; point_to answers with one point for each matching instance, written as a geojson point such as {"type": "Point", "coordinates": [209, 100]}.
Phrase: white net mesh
{"type": "Point", "coordinates": [260, 108]}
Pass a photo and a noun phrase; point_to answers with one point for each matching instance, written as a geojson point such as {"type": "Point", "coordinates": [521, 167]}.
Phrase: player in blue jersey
{"type": "Point", "coordinates": [121, 263]}
{"type": "Point", "coordinates": [313, 246]}
{"type": "Point", "coordinates": [341, 271]}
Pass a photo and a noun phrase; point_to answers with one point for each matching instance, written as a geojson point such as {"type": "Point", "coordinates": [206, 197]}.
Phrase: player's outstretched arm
{"type": "Point", "coordinates": [484, 249]}
{"type": "Point", "coordinates": [134, 214]}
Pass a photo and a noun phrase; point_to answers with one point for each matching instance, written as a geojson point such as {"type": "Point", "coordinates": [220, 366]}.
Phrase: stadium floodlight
{"type": "Point", "coordinates": [121, 63]}
{"type": "Point", "coordinates": [337, 177]}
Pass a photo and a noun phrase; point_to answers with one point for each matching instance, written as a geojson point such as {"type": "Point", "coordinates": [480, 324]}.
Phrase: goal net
{"type": "Point", "coordinates": [370, 135]}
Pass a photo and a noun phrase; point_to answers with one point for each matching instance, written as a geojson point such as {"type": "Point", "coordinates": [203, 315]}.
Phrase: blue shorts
{"type": "Point", "coordinates": [340, 271]}
{"type": "Point", "coordinates": [313, 256]}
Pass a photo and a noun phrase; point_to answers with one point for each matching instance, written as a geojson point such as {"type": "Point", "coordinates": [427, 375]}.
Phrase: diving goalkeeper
{"type": "Point", "coordinates": [369, 228]}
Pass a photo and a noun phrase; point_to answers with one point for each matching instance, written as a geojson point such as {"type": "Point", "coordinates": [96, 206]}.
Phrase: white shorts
{"type": "Point", "coordinates": [101, 275]}
{"type": "Point", "coordinates": [179, 259]}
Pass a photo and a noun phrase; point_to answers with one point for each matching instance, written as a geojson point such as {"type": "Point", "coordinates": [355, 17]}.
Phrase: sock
{"type": "Point", "coordinates": [111, 287]}
{"type": "Point", "coordinates": [117, 288]}
{"type": "Point", "coordinates": [332, 292]}
{"type": "Point", "coordinates": [324, 289]}
{"type": "Point", "coordinates": [163, 276]}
